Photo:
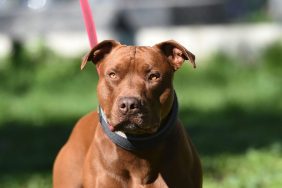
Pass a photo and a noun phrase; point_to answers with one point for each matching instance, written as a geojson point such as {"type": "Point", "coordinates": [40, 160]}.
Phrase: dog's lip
{"type": "Point", "coordinates": [125, 125]}
{"type": "Point", "coordinates": [129, 127]}
{"type": "Point", "coordinates": [112, 128]}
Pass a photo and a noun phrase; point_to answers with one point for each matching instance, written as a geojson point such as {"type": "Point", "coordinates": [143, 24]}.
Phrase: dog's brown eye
{"type": "Point", "coordinates": [112, 75]}
{"type": "Point", "coordinates": [154, 76]}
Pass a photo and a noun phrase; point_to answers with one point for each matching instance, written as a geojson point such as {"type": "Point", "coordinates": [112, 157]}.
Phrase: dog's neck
{"type": "Point", "coordinates": [136, 143]}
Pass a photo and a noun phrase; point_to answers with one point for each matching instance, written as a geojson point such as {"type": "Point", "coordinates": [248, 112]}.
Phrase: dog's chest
{"type": "Point", "coordinates": [134, 168]}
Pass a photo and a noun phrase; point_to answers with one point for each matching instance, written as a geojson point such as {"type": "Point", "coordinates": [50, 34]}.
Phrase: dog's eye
{"type": "Point", "coordinates": [112, 75]}
{"type": "Point", "coordinates": [154, 76]}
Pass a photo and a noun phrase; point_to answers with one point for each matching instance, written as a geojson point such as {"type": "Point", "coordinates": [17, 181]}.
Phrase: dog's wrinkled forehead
{"type": "Point", "coordinates": [137, 56]}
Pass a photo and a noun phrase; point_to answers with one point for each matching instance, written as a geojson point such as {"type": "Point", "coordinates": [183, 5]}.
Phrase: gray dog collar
{"type": "Point", "coordinates": [135, 143]}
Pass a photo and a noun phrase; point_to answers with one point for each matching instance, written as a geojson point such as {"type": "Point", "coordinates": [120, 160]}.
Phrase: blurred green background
{"type": "Point", "coordinates": [231, 105]}
{"type": "Point", "coordinates": [232, 112]}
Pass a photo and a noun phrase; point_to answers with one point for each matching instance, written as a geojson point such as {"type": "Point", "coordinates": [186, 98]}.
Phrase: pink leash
{"type": "Point", "coordinates": [89, 22]}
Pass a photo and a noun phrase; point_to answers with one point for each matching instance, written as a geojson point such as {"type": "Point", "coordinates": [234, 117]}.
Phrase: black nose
{"type": "Point", "coordinates": [129, 105]}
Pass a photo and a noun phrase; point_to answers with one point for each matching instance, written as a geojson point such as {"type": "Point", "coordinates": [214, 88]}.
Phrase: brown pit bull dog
{"type": "Point", "coordinates": [135, 139]}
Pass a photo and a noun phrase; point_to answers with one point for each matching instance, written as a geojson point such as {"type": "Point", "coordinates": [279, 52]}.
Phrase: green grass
{"type": "Point", "coordinates": [253, 169]}
{"type": "Point", "coordinates": [26, 180]}
{"type": "Point", "coordinates": [230, 107]}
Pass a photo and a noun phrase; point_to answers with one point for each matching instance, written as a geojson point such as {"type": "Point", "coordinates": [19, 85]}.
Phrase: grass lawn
{"type": "Point", "coordinates": [231, 108]}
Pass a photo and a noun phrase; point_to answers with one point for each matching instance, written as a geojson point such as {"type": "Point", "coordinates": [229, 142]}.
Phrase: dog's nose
{"type": "Point", "coordinates": [129, 105]}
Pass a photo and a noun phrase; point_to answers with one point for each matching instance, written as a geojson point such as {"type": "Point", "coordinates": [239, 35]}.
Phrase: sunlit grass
{"type": "Point", "coordinates": [26, 180]}
{"type": "Point", "coordinates": [253, 169]}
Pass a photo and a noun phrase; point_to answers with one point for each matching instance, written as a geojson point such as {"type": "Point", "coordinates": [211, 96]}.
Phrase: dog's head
{"type": "Point", "coordinates": [135, 87]}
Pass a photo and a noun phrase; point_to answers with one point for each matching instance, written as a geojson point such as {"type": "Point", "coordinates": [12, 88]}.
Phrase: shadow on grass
{"type": "Point", "coordinates": [232, 130]}
{"type": "Point", "coordinates": [27, 148]}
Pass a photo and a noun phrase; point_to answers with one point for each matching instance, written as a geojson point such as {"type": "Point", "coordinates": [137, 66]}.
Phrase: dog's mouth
{"type": "Point", "coordinates": [135, 129]}
{"type": "Point", "coordinates": [135, 125]}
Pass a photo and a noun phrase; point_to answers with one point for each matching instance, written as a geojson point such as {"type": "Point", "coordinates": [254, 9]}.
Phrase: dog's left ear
{"type": "Point", "coordinates": [99, 52]}
{"type": "Point", "coordinates": [176, 53]}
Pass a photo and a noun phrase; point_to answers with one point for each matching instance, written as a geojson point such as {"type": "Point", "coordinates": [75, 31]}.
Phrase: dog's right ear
{"type": "Point", "coordinates": [98, 52]}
